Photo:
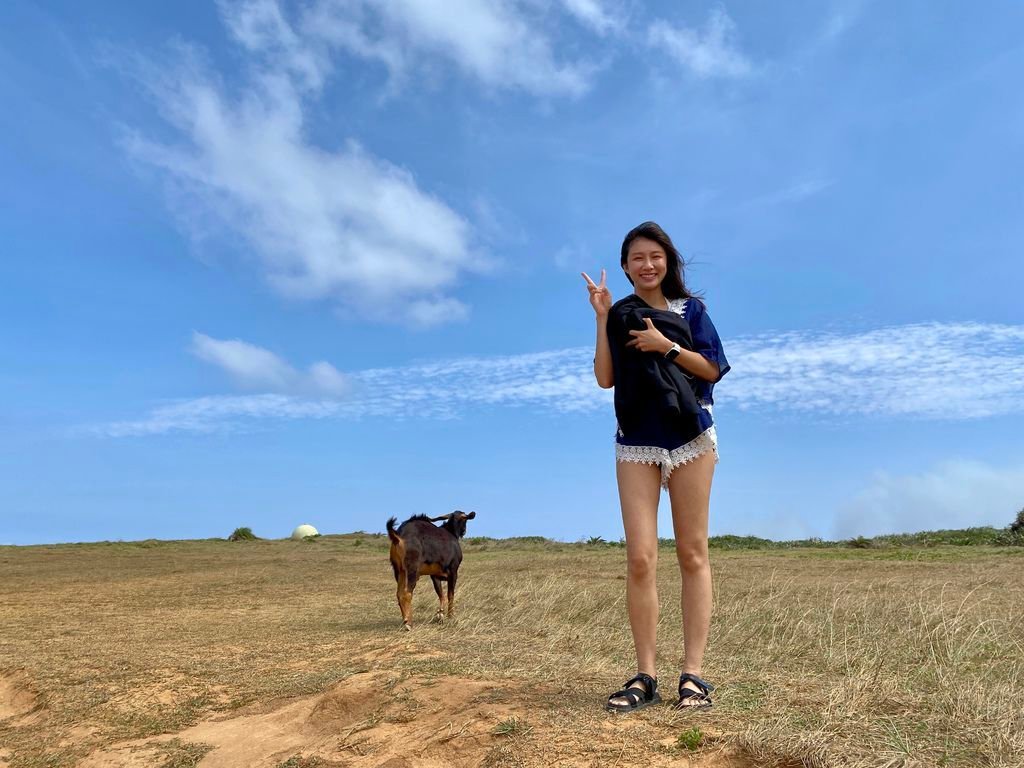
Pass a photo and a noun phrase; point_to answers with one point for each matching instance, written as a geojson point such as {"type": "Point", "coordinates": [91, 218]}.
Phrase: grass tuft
{"type": "Point", "coordinates": [513, 727]}
{"type": "Point", "coordinates": [690, 739]}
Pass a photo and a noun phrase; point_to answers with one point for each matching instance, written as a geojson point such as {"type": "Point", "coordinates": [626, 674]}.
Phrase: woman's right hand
{"type": "Point", "coordinates": [600, 296]}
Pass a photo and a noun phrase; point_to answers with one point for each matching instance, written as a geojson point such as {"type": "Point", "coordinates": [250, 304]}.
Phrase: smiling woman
{"type": "Point", "coordinates": [661, 352]}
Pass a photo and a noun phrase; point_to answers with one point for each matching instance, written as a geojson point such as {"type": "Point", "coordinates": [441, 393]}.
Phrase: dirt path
{"type": "Point", "coordinates": [371, 720]}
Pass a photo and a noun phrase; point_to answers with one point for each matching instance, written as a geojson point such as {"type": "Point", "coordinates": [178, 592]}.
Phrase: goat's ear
{"type": "Point", "coordinates": [471, 515]}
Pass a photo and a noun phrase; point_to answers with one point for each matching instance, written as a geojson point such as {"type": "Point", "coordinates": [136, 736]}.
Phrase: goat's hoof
{"type": "Point", "coordinates": [407, 627]}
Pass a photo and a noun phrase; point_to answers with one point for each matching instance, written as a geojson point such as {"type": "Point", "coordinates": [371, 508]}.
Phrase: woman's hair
{"type": "Point", "coordinates": [673, 286]}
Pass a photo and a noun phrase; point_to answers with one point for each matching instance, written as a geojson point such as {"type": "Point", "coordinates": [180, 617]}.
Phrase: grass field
{"type": "Point", "coordinates": [290, 654]}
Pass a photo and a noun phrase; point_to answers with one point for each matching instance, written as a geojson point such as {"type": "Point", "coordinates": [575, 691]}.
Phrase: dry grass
{"type": "Point", "coordinates": [835, 657]}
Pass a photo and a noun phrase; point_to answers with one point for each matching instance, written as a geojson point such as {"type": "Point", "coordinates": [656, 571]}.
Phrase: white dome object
{"type": "Point", "coordinates": [303, 531]}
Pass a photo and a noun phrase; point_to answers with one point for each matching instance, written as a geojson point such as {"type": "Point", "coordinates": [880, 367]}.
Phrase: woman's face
{"type": "Point", "coordinates": [646, 263]}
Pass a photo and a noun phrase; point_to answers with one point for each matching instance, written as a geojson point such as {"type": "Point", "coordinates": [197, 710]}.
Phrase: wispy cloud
{"type": "Point", "coordinates": [257, 368]}
{"type": "Point", "coordinates": [597, 15]}
{"type": "Point", "coordinates": [932, 370]}
{"type": "Point", "coordinates": [339, 225]}
{"type": "Point", "coordinates": [498, 44]}
{"type": "Point", "coordinates": [800, 190]}
{"type": "Point", "coordinates": [713, 52]}
{"type": "Point", "coordinates": [219, 414]}
{"type": "Point", "coordinates": [929, 371]}
{"type": "Point", "coordinates": [954, 494]}
{"type": "Point", "coordinates": [343, 225]}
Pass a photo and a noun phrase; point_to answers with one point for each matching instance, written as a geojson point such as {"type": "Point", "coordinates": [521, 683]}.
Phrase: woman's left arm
{"type": "Point", "coordinates": [707, 360]}
{"type": "Point", "coordinates": [653, 340]}
{"type": "Point", "coordinates": [697, 364]}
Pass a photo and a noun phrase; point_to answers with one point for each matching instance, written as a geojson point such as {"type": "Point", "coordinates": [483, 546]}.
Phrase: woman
{"type": "Point", "coordinates": [661, 352]}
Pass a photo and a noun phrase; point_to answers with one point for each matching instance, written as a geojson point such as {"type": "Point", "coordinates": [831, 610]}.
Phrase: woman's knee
{"type": "Point", "coordinates": [642, 565]}
{"type": "Point", "coordinates": [693, 556]}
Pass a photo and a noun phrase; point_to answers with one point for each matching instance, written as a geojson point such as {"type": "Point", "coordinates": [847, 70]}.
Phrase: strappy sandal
{"type": "Point", "coordinates": [638, 698]}
{"type": "Point", "coordinates": [701, 698]}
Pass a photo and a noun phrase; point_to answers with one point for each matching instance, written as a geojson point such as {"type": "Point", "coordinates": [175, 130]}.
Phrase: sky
{"type": "Point", "coordinates": [265, 263]}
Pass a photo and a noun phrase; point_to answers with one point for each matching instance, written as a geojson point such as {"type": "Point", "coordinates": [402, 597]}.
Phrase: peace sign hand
{"type": "Point", "coordinates": [600, 296]}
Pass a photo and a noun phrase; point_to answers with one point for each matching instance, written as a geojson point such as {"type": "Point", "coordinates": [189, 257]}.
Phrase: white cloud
{"type": "Point", "coordinates": [340, 225]}
{"type": "Point", "coordinates": [933, 371]}
{"type": "Point", "coordinates": [713, 53]}
{"type": "Point", "coordinates": [800, 190]}
{"type": "Point", "coordinates": [260, 26]}
{"type": "Point", "coordinates": [595, 14]}
{"type": "Point", "coordinates": [256, 368]}
{"type": "Point", "coordinates": [954, 494]}
{"type": "Point", "coordinates": [324, 377]}
{"type": "Point", "coordinates": [219, 414]}
{"type": "Point", "coordinates": [499, 43]}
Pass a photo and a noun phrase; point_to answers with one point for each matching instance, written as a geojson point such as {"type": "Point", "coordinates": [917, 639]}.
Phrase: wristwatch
{"type": "Point", "coordinates": [673, 353]}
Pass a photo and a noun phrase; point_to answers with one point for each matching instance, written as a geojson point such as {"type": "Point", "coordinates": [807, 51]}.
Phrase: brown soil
{"type": "Point", "coordinates": [371, 720]}
{"type": "Point", "coordinates": [19, 702]}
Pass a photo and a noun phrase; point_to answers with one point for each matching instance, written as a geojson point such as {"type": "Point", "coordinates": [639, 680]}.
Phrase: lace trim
{"type": "Point", "coordinates": [706, 441]}
{"type": "Point", "coordinates": [678, 306]}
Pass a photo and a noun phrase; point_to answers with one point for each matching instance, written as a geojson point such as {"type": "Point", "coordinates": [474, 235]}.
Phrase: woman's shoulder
{"type": "Point", "coordinates": [691, 307]}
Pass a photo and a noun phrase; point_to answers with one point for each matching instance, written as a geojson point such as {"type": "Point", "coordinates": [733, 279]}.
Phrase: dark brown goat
{"type": "Point", "coordinates": [420, 548]}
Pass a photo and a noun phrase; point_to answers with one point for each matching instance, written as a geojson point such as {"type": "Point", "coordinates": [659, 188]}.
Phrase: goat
{"type": "Point", "coordinates": [421, 548]}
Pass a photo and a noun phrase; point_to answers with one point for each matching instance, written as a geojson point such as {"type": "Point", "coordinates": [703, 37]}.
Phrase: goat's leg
{"type": "Point", "coordinates": [405, 596]}
{"type": "Point", "coordinates": [452, 576]}
{"type": "Point", "coordinates": [406, 582]}
{"type": "Point", "coordinates": [440, 596]}
{"type": "Point", "coordinates": [403, 600]}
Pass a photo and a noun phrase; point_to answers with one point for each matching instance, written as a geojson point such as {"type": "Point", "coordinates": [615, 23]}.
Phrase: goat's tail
{"type": "Point", "coordinates": [392, 533]}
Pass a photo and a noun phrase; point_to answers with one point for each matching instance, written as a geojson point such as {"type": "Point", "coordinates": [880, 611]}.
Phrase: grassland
{"type": "Point", "coordinates": [290, 654]}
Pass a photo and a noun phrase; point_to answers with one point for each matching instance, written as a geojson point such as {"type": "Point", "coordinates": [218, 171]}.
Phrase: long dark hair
{"type": "Point", "coordinates": [673, 286]}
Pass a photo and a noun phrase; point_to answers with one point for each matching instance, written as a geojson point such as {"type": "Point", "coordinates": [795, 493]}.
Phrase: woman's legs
{"type": "Point", "coordinates": [689, 488]}
{"type": "Point", "coordinates": [639, 490]}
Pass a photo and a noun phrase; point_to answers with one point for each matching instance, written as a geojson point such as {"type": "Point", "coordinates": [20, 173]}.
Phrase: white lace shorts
{"type": "Point", "coordinates": [670, 459]}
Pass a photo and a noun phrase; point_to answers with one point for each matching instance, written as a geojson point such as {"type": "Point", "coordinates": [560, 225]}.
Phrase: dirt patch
{"type": "Point", "coordinates": [128, 756]}
{"type": "Point", "coordinates": [368, 719]}
{"type": "Point", "coordinates": [19, 701]}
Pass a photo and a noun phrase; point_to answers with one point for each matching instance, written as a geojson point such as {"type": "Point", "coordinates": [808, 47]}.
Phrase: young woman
{"type": "Point", "coordinates": [660, 351]}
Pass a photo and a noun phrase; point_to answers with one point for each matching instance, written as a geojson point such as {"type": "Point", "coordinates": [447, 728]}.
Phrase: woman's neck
{"type": "Point", "coordinates": [655, 298]}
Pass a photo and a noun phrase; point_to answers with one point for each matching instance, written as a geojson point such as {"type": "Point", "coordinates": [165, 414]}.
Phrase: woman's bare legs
{"type": "Point", "coordinates": [689, 488]}
{"type": "Point", "coordinates": [639, 490]}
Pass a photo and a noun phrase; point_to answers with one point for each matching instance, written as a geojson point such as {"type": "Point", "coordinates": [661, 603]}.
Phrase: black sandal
{"type": "Point", "coordinates": [638, 698]}
{"type": "Point", "coordinates": [702, 697]}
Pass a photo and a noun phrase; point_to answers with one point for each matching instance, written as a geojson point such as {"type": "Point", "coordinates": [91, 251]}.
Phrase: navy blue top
{"type": "Point", "coordinates": [707, 343]}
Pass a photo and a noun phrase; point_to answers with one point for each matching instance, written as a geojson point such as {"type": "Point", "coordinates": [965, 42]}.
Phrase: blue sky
{"type": "Point", "coordinates": [266, 263]}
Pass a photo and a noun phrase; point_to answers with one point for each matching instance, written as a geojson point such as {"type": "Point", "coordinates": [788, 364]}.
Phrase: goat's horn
{"type": "Point", "coordinates": [438, 519]}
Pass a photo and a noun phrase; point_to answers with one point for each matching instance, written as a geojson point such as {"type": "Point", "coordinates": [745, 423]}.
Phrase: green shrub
{"type": "Point", "coordinates": [1017, 526]}
{"type": "Point", "coordinates": [690, 739]}
{"type": "Point", "coordinates": [243, 534]}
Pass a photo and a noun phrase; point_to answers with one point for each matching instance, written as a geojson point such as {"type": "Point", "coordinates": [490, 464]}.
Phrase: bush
{"type": "Point", "coordinates": [1013, 534]}
{"type": "Point", "coordinates": [243, 534]}
{"type": "Point", "coordinates": [1017, 526]}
